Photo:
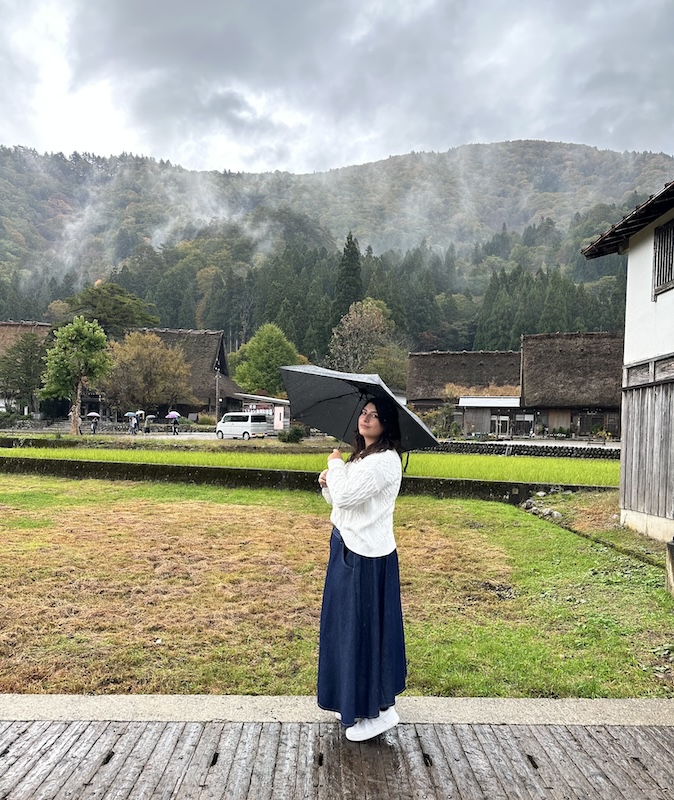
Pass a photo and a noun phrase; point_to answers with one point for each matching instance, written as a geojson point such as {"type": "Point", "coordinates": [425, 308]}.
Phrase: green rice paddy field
{"type": "Point", "coordinates": [525, 469]}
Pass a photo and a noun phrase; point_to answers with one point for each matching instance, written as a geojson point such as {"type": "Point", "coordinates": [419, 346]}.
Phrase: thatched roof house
{"type": "Point", "coordinates": [572, 370]}
{"type": "Point", "coordinates": [10, 332]}
{"type": "Point", "coordinates": [205, 353]}
{"type": "Point", "coordinates": [430, 374]}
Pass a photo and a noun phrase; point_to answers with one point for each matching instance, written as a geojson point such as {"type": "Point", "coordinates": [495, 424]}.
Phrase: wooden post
{"type": "Point", "coordinates": [669, 582]}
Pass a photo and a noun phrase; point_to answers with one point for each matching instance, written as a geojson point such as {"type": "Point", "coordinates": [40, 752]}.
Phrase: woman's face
{"type": "Point", "coordinates": [369, 426]}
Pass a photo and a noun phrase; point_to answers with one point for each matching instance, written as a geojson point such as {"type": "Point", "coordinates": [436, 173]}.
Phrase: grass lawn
{"type": "Point", "coordinates": [117, 587]}
{"type": "Point", "coordinates": [525, 469]}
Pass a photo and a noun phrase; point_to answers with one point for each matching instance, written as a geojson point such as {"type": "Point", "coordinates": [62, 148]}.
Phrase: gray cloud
{"type": "Point", "coordinates": [313, 84]}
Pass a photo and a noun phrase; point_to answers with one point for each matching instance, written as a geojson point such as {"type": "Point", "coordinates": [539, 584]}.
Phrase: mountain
{"type": "Point", "coordinates": [88, 213]}
{"type": "Point", "coordinates": [235, 250]}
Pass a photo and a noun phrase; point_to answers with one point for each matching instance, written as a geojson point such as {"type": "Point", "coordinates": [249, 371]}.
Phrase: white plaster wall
{"type": "Point", "coordinates": [649, 325]}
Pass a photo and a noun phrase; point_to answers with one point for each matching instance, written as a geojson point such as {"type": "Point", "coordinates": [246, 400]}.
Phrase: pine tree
{"type": "Point", "coordinates": [348, 289]}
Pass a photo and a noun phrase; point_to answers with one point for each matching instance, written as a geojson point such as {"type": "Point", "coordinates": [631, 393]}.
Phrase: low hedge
{"type": "Point", "coordinates": [527, 449]}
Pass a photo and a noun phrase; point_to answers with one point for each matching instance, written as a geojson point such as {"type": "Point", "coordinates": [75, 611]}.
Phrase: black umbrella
{"type": "Point", "coordinates": [331, 401]}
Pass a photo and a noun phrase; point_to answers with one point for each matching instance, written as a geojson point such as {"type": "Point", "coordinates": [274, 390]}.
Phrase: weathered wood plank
{"type": "Point", "coordinates": [394, 765]}
{"type": "Point", "coordinates": [542, 761]}
{"type": "Point", "coordinates": [241, 768]}
{"type": "Point", "coordinates": [148, 779]}
{"type": "Point", "coordinates": [27, 752]}
{"type": "Point", "coordinates": [655, 746]}
{"type": "Point", "coordinates": [496, 762]}
{"type": "Point", "coordinates": [516, 773]}
{"type": "Point", "coordinates": [107, 765]}
{"type": "Point", "coordinates": [49, 758]}
{"type": "Point", "coordinates": [193, 779]}
{"type": "Point", "coordinates": [484, 773]}
{"type": "Point", "coordinates": [134, 759]}
{"type": "Point", "coordinates": [572, 775]}
{"type": "Point", "coordinates": [178, 762]}
{"type": "Point", "coordinates": [450, 770]}
{"type": "Point", "coordinates": [284, 775]}
{"type": "Point", "coordinates": [591, 776]}
{"type": "Point", "coordinates": [215, 781]}
{"type": "Point", "coordinates": [264, 765]}
{"type": "Point", "coordinates": [101, 751]}
{"type": "Point", "coordinates": [628, 756]}
{"type": "Point", "coordinates": [329, 761]}
{"type": "Point", "coordinates": [619, 782]}
{"type": "Point", "coordinates": [351, 772]}
{"type": "Point", "coordinates": [11, 735]}
{"type": "Point", "coordinates": [66, 763]}
{"type": "Point", "coordinates": [374, 769]}
{"type": "Point", "coordinates": [416, 764]}
{"type": "Point", "coordinates": [4, 725]}
{"type": "Point", "coordinates": [306, 781]}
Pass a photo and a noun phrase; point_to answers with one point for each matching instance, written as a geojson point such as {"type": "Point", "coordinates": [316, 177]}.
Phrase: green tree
{"type": "Point", "coordinates": [349, 288]}
{"type": "Point", "coordinates": [146, 374]}
{"type": "Point", "coordinates": [115, 309]}
{"type": "Point", "coordinates": [21, 371]}
{"type": "Point", "coordinates": [266, 351]}
{"type": "Point", "coordinates": [389, 361]}
{"type": "Point", "coordinates": [79, 357]}
{"type": "Point", "coordinates": [361, 332]}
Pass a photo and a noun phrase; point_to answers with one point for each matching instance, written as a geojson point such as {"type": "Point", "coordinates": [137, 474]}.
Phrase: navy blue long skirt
{"type": "Point", "coordinates": [361, 657]}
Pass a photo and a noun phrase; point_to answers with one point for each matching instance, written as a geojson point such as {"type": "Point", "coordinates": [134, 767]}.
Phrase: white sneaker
{"type": "Point", "coordinates": [338, 716]}
{"type": "Point", "coordinates": [368, 728]}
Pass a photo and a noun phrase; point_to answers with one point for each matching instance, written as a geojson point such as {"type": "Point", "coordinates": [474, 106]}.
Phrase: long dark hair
{"type": "Point", "coordinates": [390, 438]}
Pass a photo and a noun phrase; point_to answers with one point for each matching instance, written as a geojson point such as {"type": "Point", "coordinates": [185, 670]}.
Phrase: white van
{"type": "Point", "coordinates": [242, 425]}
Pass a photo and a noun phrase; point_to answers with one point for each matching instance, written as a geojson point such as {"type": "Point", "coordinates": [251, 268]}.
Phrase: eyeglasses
{"type": "Point", "coordinates": [373, 414]}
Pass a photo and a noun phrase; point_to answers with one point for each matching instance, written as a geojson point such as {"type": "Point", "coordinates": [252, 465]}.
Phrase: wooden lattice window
{"type": "Point", "coordinates": [663, 258]}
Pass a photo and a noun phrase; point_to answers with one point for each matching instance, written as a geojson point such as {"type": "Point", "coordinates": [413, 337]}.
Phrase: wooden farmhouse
{"type": "Point", "coordinates": [566, 383]}
{"type": "Point", "coordinates": [443, 376]}
{"type": "Point", "coordinates": [212, 385]}
{"type": "Point", "coordinates": [647, 458]}
{"type": "Point", "coordinates": [571, 381]}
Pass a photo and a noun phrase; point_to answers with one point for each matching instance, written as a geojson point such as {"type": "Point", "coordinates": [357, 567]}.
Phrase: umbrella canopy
{"type": "Point", "coordinates": [130, 414]}
{"type": "Point", "coordinates": [331, 401]}
{"type": "Point", "coordinates": [93, 414]}
{"type": "Point", "coordinates": [150, 416]}
{"type": "Point", "coordinates": [172, 415]}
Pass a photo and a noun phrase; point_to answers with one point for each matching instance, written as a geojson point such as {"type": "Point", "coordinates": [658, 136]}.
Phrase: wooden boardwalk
{"type": "Point", "coordinates": [44, 760]}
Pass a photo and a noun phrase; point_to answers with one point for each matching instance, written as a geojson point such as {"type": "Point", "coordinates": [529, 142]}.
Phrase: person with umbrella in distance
{"type": "Point", "coordinates": [361, 663]}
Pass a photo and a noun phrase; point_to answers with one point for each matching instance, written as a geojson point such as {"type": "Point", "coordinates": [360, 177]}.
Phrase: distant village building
{"type": "Point", "coordinates": [647, 458]}
{"type": "Point", "coordinates": [564, 383]}
{"type": "Point", "coordinates": [571, 382]}
{"type": "Point", "coordinates": [204, 351]}
{"type": "Point", "coordinates": [443, 376]}
{"type": "Point", "coordinates": [210, 380]}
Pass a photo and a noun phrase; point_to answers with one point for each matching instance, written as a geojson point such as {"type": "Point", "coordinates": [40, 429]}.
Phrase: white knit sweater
{"type": "Point", "coordinates": [363, 494]}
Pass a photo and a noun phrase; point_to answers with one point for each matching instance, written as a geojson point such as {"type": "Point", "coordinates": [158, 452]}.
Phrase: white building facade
{"type": "Point", "coordinates": [647, 459]}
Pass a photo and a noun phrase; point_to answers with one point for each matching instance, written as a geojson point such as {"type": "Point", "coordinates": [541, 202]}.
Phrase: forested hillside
{"type": "Point", "coordinates": [468, 249]}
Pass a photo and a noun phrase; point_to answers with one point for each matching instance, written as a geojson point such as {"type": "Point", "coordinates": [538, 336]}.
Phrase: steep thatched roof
{"type": "Point", "coordinates": [429, 373]}
{"type": "Point", "coordinates": [205, 353]}
{"type": "Point", "coordinates": [11, 331]}
{"type": "Point", "coordinates": [572, 370]}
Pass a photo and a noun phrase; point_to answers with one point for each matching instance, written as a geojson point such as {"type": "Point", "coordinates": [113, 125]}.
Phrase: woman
{"type": "Point", "coordinates": [361, 663]}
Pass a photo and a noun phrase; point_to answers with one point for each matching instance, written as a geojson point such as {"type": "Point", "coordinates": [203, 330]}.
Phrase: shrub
{"type": "Point", "coordinates": [293, 435]}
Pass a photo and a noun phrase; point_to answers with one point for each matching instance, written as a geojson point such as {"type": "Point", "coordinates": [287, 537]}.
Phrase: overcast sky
{"type": "Point", "coordinates": [309, 85]}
